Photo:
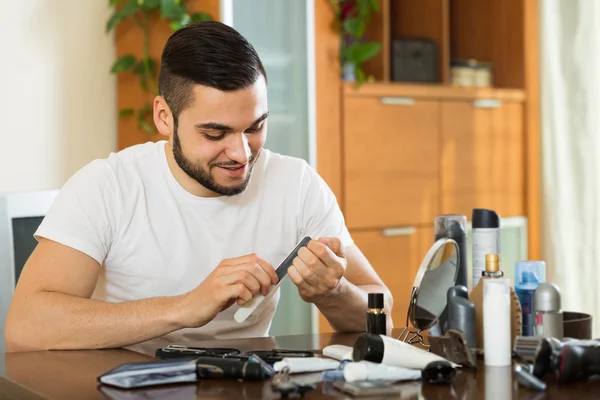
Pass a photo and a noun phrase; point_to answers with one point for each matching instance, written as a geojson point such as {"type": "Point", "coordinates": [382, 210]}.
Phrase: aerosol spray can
{"type": "Point", "coordinates": [454, 226]}
{"type": "Point", "coordinates": [486, 239]}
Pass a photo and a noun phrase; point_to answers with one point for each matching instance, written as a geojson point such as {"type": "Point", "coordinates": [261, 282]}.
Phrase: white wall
{"type": "Point", "coordinates": [57, 98]}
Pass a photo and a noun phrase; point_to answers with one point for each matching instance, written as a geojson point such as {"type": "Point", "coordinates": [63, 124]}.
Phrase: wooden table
{"type": "Point", "coordinates": [72, 375]}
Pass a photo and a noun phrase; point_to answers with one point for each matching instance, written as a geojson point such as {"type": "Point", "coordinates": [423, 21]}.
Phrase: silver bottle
{"type": "Point", "coordinates": [547, 311]}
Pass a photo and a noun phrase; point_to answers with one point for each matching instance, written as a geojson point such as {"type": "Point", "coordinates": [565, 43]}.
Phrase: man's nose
{"type": "Point", "coordinates": [239, 149]}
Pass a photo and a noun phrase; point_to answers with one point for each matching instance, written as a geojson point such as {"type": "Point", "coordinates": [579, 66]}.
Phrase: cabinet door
{"type": "Point", "coordinates": [482, 161]}
{"type": "Point", "coordinates": [391, 161]}
{"type": "Point", "coordinates": [396, 255]}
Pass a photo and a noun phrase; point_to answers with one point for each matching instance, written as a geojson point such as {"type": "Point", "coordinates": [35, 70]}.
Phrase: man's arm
{"type": "Point", "coordinates": [346, 305]}
{"type": "Point", "coordinates": [51, 307]}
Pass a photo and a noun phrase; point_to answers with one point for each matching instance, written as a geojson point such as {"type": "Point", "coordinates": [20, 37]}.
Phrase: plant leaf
{"type": "Point", "coordinates": [171, 9]}
{"type": "Point", "coordinates": [365, 51]}
{"type": "Point", "coordinates": [200, 16]}
{"type": "Point", "coordinates": [145, 110]}
{"type": "Point", "coordinates": [126, 112]}
{"type": "Point", "coordinates": [150, 4]}
{"type": "Point", "coordinates": [124, 63]}
{"type": "Point", "coordinates": [126, 11]}
{"type": "Point", "coordinates": [143, 83]}
{"type": "Point", "coordinates": [115, 2]}
{"type": "Point", "coordinates": [140, 67]}
{"type": "Point", "coordinates": [175, 25]}
{"type": "Point", "coordinates": [145, 125]}
{"type": "Point", "coordinates": [374, 5]}
{"type": "Point", "coordinates": [364, 8]}
{"type": "Point", "coordinates": [354, 27]}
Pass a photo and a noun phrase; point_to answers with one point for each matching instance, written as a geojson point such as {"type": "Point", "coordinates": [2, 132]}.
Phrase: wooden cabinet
{"type": "Point", "coordinates": [391, 161]}
{"type": "Point", "coordinates": [396, 255]}
{"type": "Point", "coordinates": [482, 162]}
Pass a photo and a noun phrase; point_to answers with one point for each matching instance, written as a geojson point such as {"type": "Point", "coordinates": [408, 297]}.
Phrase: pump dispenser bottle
{"type": "Point", "coordinates": [492, 271]}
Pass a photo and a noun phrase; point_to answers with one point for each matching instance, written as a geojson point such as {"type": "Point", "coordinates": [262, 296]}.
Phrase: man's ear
{"type": "Point", "coordinates": [163, 118]}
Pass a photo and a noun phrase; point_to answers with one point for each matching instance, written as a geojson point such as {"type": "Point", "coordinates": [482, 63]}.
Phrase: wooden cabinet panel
{"type": "Point", "coordinates": [396, 259]}
{"type": "Point", "coordinates": [391, 161]}
{"type": "Point", "coordinates": [482, 162]}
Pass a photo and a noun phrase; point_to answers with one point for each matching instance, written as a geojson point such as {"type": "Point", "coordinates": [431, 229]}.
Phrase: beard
{"type": "Point", "coordinates": [204, 177]}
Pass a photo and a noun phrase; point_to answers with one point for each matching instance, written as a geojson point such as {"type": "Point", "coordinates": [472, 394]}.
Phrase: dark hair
{"type": "Point", "coordinates": [207, 53]}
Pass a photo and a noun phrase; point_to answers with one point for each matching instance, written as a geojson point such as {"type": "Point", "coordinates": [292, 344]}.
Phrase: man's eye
{"type": "Point", "coordinates": [254, 129]}
{"type": "Point", "coordinates": [214, 137]}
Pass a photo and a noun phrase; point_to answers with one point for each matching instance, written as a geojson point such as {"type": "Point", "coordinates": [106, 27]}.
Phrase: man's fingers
{"type": "Point", "coordinates": [268, 268]}
{"type": "Point", "coordinates": [324, 253]}
{"type": "Point", "coordinates": [307, 273]}
{"type": "Point", "coordinates": [335, 245]}
{"type": "Point", "coordinates": [244, 274]}
{"type": "Point", "coordinates": [313, 262]}
{"type": "Point", "coordinates": [296, 277]}
{"type": "Point", "coordinates": [241, 292]}
{"type": "Point", "coordinates": [252, 258]}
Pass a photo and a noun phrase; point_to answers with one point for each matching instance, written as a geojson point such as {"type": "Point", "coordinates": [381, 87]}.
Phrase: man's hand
{"type": "Point", "coordinates": [318, 268]}
{"type": "Point", "coordinates": [235, 279]}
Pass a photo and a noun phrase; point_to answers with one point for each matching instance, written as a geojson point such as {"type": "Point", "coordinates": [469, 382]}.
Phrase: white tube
{"type": "Point", "coordinates": [368, 371]}
{"type": "Point", "coordinates": [338, 352]}
{"type": "Point", "coordinates": [386, 350]}
{"type": "Point", "coordinates": [308, 364]}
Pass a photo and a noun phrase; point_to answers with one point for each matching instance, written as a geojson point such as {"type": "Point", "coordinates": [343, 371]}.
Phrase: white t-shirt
{"type": "Point", "coordinates": [153, 238]}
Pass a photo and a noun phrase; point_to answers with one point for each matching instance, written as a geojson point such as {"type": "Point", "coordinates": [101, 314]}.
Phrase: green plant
{"type": "Point", "coordinates": [146, 68]}
{"type": "Point", "coordinates": [352, 18]}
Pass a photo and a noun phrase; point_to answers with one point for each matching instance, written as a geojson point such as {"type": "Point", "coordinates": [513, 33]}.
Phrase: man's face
{"type": "Point", "coordinates": [219, 137]}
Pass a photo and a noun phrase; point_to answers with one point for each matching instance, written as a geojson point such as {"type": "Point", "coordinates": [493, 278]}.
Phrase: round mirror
{"type": "Point", "coordinates": [437, 274]}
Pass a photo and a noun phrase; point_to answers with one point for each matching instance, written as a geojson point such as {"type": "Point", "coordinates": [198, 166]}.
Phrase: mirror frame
{"type": "Point", "coordinates": [437, 245]}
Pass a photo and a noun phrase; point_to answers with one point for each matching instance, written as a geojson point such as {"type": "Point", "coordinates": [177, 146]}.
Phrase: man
{"type": "Point", "coordinates": [171, 238]}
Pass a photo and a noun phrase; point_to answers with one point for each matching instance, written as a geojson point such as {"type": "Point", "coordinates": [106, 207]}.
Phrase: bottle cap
{"type": "Point", "coordinates": [546, 297]}
{"type": "Point", "coordinates": [368, 347]}
{"type": "Point", "coordinates": [375, 300]}
{"type": "Point", "coordinates": [492, 262]}
{"type": "Point", "coordinates": [530, 272]}
{"type": "Point", "coordinates": [483, 218]}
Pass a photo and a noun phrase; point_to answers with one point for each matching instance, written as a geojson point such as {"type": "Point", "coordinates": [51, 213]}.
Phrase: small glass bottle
{"type": "Point", "coordinates": [376, 317]}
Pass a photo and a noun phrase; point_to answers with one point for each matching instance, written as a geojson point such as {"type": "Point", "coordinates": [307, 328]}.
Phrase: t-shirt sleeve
{"type": "Point", "coordinates": [84, 214]}
{"type": "Point", "coordinates": [321, 215]}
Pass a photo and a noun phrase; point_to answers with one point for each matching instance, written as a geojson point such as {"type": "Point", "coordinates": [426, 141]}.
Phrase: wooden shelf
{"type": "Point", "coordinates": [429, 91]}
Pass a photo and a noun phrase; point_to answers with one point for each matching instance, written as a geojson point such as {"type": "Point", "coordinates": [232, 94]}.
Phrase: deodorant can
{"type": "Point", "coordinates": [548, 313]}
{"type": "Point", "coordinates": [454, 226]}
{"type": "Point", "coordinates": [486, 239]}
{"type": "Point", "coordinates": [528, 276]}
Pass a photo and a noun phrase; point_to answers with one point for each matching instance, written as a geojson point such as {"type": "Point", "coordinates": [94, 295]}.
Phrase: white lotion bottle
{"type": "Point", "coordinates": [496, 322]}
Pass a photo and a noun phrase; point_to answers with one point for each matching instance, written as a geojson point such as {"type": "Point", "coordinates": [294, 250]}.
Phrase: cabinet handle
{"type": "Point", "coordinates": [487, 103]}
{"type": "Point", "coordinates": [403, 231]}
{"type": "Point", "coordinates": [398, 101]}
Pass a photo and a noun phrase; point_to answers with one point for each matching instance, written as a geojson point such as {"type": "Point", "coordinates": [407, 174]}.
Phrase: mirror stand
{"type": "Point", "coordinates": [408, 335]}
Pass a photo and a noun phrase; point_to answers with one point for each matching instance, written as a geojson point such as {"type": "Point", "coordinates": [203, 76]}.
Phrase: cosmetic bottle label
{"type": "Point", "coordinates": [526, 300]}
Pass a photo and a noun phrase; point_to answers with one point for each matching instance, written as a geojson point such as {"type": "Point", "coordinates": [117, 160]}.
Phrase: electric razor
{"type": "Point", "coordinates": [569, 359]}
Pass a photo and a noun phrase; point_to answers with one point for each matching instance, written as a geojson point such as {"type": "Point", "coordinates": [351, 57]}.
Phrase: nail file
{"type": "Point", "coordinates": [246, 310]}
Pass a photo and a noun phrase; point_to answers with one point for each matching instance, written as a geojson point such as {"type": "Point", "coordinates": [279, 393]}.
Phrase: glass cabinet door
{"type": "Point", "coordinates": [278, 30]}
